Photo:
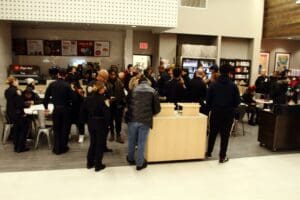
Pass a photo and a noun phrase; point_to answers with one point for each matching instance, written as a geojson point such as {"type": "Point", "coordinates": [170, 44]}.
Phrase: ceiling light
{"type": "Point", "coordinates": [289, 38]}
{"type": "Point", "coordinates": [133, 26]}
{"type": "Point", "coordinates": [297, 1]}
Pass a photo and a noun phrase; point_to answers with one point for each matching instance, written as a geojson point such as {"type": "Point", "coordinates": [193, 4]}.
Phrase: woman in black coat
{"type": "Point", "coordinates": [96, 113]}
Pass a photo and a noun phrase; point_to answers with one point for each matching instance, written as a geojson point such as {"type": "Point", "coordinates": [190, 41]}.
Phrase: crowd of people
{"type": "Point", "coordinates": [109, 93]}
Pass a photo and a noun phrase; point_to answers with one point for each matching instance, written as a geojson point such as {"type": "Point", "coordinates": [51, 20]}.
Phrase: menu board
{"type": "Point", "coordinates": [85, 48]}
{"type": "Point", "coordinates": [101, 49]}
{"type": "Point", "coordinates": [35, 47]}
{"type": "Point", "coordinates": [52, 47]}
{"type": "Point", "coordinates": [69, 47]}
{"type": "Point", "coordinates": [19, 46]}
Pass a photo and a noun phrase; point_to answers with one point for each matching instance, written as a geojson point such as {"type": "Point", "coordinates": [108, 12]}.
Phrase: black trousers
{"type": "Point", "coordinates": [97, 141]}
{"type": "Point", "coordinates": [116, 112]}
{"type": "Point", "coordinates": [220, 122]}
{"type": "Point", "coordinates": [61, 124]}
{"type": "Point", "coordinates": [21, 125]}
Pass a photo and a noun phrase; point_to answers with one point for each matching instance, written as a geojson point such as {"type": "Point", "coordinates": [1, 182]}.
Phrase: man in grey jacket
{"type": "Point", "coordinates": [142, 106]}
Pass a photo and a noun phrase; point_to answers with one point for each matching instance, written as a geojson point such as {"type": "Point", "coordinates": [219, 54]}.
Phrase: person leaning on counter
{"type": "Point", "coordinates": [96, 113]}
{"type": "Point", "coordinates": [61, 94]}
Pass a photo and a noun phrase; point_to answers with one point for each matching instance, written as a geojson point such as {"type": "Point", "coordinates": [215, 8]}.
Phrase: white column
{"type": "Point", "coordinates": [5, 49]}
{"type": "Point", "coordinates": [128, 47]}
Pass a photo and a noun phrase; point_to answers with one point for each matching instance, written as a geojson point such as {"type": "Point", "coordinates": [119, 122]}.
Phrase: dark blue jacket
{"type": "Point", "coordinates": [223, 95]}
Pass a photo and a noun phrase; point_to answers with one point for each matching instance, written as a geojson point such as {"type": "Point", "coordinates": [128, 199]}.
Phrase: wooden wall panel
{"type": "Point", "coordinates": [282, 18]}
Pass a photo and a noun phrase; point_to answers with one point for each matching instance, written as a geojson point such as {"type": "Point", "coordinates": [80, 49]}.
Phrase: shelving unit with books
{"type": "Point", "coordinates": [241, 70]}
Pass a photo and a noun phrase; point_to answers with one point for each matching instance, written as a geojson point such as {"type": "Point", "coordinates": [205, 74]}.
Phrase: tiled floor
{"type": "Point", "coordinates": [252, 178]}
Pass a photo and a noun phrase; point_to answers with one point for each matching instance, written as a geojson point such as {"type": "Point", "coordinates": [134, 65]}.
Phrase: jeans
{"type": "Point", "coordinates": [137, 136]}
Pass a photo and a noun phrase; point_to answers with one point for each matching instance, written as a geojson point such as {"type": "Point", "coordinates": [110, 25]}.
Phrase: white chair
{"type": "Point", "coordinates": [43, 128]}
{"type": "Point", "coordinates": [6, 126]}
{"type": "Point", "coordinates": [239, 116]}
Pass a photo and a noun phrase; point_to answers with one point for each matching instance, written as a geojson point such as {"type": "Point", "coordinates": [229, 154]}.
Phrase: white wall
{"type": "Point", "coordinates": [282, 46]}
{"type": "Point", "coordinates": [235, 48]}
{"type": "Point", "coordinates": [5, 49]}
{"type": "Point", "coordinates": [167, 47]}
{"type": "Point", "coordinates": [235, 18]}
{"type": "Point", "coordinates": [116, 39]}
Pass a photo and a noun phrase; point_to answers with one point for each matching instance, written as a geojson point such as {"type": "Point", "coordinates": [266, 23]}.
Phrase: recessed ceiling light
{"type": "Point", "coordinates": [297, 1]}
{"type": "Point", "coordinates": [133, 26]}
{"type": "Point", "coordinates": [290, 38]}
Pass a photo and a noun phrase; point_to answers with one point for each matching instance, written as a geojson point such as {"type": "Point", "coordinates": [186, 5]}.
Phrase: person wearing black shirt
{"type": "Point", "coordinates": [115, 90]}
{"type": "Point", "coordinates": [96, 113]}
{"type": "Point", "coordinates": [15, 111]}
{"type": "Point", "coordinates": [197, 90]}
{"type": "Point", "coordinates": [262, 83]}
{"type": "Point", "coordinates": [175, 88]}
{"type": "Point", "coordinates": [248, 98]}
{"type": "Point", "coordinates": [222, 99]}
{"type": "Point", "coordinates": [61, 94]}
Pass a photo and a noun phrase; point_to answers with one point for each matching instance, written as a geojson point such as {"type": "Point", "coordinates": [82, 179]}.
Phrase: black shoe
{"type": "Point", "coordinates": [90, 165]}
{"type": "Point", "coordinates": [131, 162]}
{"type": "Point", "coordinates": [208, 155]}
{"type": "Point", "coordinates": [223, 160]}
{"type": "Point", "coordinates": [22, 150]}
{"type": "Point", "coordinates": [98, 168]}
{"type": "Point", "coordinates": [142, 167]}
{"type": "Point", "coordinates": [66, 149]}
{"type": "Point", "coordinates": [108, 150]}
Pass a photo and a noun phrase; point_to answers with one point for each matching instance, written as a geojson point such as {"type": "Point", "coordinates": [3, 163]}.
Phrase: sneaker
{"type": "Point", "coordinates": [208, 155]}
{"type": "Point", "coordinates": [120, 139]}
{"type": "Point", "coordinates": [90, 165]}
{"type": "Point", "coordinates": [99, 168]}
{"type": "Point", "coordinates": [131, 162]}
{"type": "Point", "coordinates": [143, 166]}
{"type": "Point", "coordinates": [81, 139]}
{"type": "Point", "coordinates": [112, 137]}
{"type": "Point", "coordinates": [223, 160]}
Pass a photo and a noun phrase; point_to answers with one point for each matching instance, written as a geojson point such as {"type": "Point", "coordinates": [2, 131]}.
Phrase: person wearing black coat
{"type": "Point", "coordinates": [115, 90]}
{"type": "Point", "coordinates": [222, 99]}
{"type": "Point", "coordinates": [61, 94]}
{"type": "Point", "coordinates": [175, 88]}
{"type": "Point", "coordinates": [77, 100]}
{"type": "Point", "coordinates": [262, 83]}
{"type": "Point", "coordinates": [96, 113]}
{"type": "Point", "coordinates": [15, 112]}
{"type": "Point", "coordinates": [197, 90]}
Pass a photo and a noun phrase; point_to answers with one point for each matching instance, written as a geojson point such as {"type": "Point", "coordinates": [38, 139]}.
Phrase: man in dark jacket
{"type": "Point", "coordinates": [115, 89]}
{"type": "Point", "coordinates": [143, 105]}
{"type": "Point", "coordinates": [222, 99]}
{"type": "Point", "coordinates": [61, 94]}
{"type": "Point", "coordinates": [262, 83]}
{"type": "Point", "coordinates": [197, 90]}
{"type": "Point", "coordinates": [175, 88]}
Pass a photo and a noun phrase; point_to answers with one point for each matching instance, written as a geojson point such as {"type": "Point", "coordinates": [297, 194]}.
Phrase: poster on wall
{"type": "Point", "coordinates": [282, 61]}
{"type": "Point", "coordinates": [264, 62]}
{"type": "Point", "coordinates": [35, 47]}
{"type": "Point", "coordinates": [69, 47]}
{"type": "Point", "coordinates": [52, 47]}
{"type": "Point", "coordinates": [19, 46]}
{"type": "Point", "coordinates": [85, 48]}
{"type": "Point", "coordinates": [101, 48]}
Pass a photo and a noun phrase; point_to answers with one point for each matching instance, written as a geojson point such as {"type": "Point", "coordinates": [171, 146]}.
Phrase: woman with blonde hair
{"type": "Point", "coordinates": [15, 112]}
{"type": "Point", "coordinates": [96, 113]}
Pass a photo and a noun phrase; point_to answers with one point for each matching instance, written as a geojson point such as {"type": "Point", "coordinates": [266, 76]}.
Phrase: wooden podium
{"type": "Point", "coordinates": [177, 138]}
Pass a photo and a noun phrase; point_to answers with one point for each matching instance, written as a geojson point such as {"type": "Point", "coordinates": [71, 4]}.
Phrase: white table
{"type": "Point", "coordinates": [33, 110]}
{"type": "Point", "coordinates": [264, 103]}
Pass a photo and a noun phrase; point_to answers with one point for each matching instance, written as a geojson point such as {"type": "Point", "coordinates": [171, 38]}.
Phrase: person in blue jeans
{"type": "Point", "coordinates": [143, 104]}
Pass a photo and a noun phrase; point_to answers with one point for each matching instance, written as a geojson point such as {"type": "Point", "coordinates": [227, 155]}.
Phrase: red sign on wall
{"type": "Point", "coordinates": [143, 45]}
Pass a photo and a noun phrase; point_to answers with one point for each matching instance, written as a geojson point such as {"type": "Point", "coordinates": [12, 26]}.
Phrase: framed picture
{"type": "Point", "coordinates": [264, 62]}
{"type": "Point", "coordinates": [35, 47]}
{"type": "Point", "coordinates": [85, 48]}
{"type": "Point", "coordinates": [282, 61]}
{"type": "Point", "coordinates": [101, 48]}
{"type": "Point", "coordinates": [52, 47]}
